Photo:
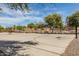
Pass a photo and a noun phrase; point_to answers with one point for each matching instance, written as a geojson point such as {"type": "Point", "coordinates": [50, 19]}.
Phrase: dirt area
{"type": "Point", "coordinates": [72, 49]}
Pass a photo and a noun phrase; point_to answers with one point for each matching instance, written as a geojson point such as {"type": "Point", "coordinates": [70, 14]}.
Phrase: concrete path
{"type": "Point", "coordinates": [48, 44]}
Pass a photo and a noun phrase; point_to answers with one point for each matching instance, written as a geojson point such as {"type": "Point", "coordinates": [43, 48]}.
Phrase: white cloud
{"type": "Point", "coordinates": [18, 16]}
{"type": "Point", "coordinates": [12, 21]}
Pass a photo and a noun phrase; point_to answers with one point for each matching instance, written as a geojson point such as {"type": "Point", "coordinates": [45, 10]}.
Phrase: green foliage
{"type": "Point", "coordinates": [36, 25]}
{"type": "Point", "coordinates": [49, 20]}
{"type": "Point", "coordinates": [73, 20]}
{"type": "Point", "coordinates": [54, 21]}
{"type": "Point", "coordinates": [32, 25]}
{"type": "Point", "coordinates": [14, 28]}
{"type": "Point", "coordinates": [40, 25]}
{"type": "Point", "coordinates": [19, 27]}
{"type": "Point", "coordinates": [1, 28]}
{"type": "Point", "coordinates": [8, 29]}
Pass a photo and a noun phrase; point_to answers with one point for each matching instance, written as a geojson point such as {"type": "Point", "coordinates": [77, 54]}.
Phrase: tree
{"type": "Point", "coordinates": [32, 25]}
{"type": "Point", "coordinates": [73, 21]}
{"type": "Point", "coordinates": [1, 28]}
{"type": "Point", "coordinates": [20, 28]}
{"type": "Point", "coordinates": [40, 25]}
{"type": "Point", "coordinates": [9, 29]}
{"type": "Point", "coordinates": [14, 27]}
{"type": "Point", "coordinates": [54, 21]}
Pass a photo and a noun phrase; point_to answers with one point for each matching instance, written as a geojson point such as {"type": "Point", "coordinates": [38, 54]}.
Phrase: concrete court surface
{"type": "Point", "coordinates": [48, 44]}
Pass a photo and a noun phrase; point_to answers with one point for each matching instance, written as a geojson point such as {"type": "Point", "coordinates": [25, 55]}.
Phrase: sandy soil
{"type": "Point", "coordinates": [48, 44]}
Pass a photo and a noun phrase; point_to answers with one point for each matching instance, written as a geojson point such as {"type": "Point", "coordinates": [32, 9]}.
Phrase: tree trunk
{"type": "Point", "coordinates": [60, 30]}
{"type": "Point", "coordinates": [76, 36]}
{"type": "Point", "coordinates": [52, 29]}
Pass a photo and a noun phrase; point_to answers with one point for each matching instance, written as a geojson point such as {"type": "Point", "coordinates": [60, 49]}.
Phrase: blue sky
{"type": "Point", "coordinates": [36, 14]}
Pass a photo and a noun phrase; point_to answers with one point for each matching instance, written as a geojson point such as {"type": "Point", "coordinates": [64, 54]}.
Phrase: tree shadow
{"type": "Point", "coordinates": [10, 48]}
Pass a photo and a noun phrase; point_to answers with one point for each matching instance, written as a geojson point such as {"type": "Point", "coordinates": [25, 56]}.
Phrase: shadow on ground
{"type": "Point", "coordinates": [10, 48]}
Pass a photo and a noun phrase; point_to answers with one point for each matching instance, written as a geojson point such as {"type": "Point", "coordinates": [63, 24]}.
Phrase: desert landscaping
{"type": "Point", "coordinates": [49, 29]}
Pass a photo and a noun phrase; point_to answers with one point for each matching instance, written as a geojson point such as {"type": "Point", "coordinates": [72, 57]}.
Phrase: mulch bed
{"type": "Point", "coordinates": [72, 49]}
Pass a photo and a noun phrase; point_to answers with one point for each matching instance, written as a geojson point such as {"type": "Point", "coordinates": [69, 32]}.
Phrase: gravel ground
{"type": "Point", "coordinates": [72, 49]}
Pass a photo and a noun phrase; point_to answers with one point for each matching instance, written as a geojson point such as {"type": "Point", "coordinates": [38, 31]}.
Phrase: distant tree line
{"type": "Point", "coordinates": [52, 21]}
